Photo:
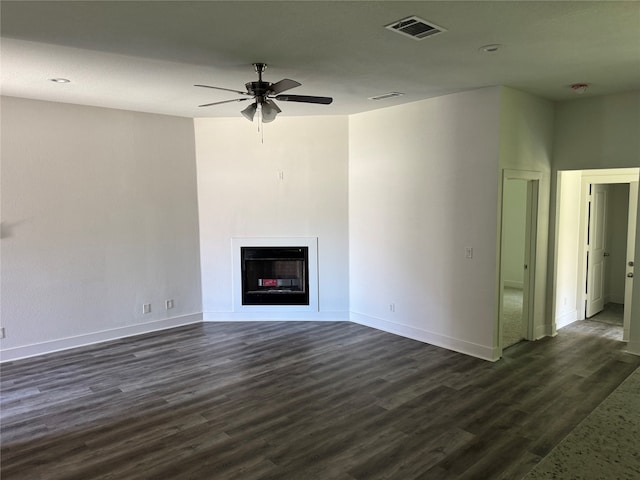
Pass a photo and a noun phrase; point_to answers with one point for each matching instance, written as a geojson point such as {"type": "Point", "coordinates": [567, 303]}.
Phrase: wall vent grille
{"type": "Point", "coordinates": [415, 27]}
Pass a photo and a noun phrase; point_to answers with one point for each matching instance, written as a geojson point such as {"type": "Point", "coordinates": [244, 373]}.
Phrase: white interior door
{"type": "Point", "coordinates": [596, 249]}
{"type": "Point", "coordinates": [631, 240]}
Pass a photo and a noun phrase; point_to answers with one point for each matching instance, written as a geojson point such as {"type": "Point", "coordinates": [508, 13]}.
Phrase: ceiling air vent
{"type": "Point", "coordinates": [415, 27]}
{"type": "Point", "coordinates": [386, 95]}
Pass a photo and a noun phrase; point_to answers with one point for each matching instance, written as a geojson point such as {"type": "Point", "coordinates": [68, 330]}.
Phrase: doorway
{"type": "Point", "coordinates": [595, 240]}
{"type": "Point", "coordinates": [517, 255]}
{"type": "Point", "coordinates": [606, 251]}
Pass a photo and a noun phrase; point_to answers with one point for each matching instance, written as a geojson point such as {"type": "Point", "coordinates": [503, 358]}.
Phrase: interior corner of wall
{"type": "Point", "coordinates": [496, 354]}
{"type": "Point", "coordinates": [633, 348]}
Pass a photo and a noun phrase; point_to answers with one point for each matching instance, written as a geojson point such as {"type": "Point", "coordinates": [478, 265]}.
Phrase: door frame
{"type": "Point", "coordinates": [533, 179]}
{"type": "Point", "coordinates": [604, 176]}
{"type": "Point", "coordinates": [631, 253]}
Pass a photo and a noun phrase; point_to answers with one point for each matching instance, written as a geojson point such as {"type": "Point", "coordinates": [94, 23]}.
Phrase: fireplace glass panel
{"type": "Point", "coordinates": [275, 275]}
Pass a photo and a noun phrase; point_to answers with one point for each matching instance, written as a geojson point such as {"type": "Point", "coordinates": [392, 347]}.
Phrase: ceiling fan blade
{"type": "Point", "coordinates": [224, 101]}
{"type": "Point", "coordinates": [225, 89]}
{"type": "Point", "coordinates": [282, 85]}
{"type": "Point", "coordinates": [305, 99]}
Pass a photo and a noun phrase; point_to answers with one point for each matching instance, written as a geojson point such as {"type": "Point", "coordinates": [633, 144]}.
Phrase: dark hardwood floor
{"type": "Point", "coordinates": [299, 400]}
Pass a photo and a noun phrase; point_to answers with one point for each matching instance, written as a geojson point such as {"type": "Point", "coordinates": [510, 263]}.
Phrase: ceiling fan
{"type": "Point", "coordinates": [264, 93]}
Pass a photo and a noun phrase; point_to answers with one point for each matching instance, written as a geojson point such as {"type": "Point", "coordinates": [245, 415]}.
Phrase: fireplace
{"type": "Point", "coordinates": [275, 275]}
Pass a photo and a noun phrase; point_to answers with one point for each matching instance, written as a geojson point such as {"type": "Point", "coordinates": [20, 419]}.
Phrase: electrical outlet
{"type": "Point", "coordinates": [169, 304]}
{"type": "Point", "coordinates": [146, 308]}
{"type": "Point", "coordinates": [2, 332]}
{"type": "Point", "coordinates": [392, 307]}
{"type": "Point", "coordinates": [468, 252]}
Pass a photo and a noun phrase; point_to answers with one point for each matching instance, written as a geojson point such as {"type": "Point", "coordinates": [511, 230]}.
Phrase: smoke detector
{"type": "Point", "coordinates": [492, 48]}
{"type": "Point", "coordinates": [579, 88]}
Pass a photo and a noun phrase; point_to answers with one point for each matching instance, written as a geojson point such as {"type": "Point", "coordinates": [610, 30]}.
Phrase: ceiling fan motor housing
{"type": "Point", "coordinates": [259, 89]}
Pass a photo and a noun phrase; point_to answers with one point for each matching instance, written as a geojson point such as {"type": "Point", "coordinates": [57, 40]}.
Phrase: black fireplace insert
{"type": "Point", "coordinates": [275, 275]}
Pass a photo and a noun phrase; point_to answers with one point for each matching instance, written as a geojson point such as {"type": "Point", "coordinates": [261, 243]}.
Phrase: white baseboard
{"type": "Point", "coordinates": [541, 331]}
{"type": "Point", "coordinates": [480, 351]}
{"type": "Point", "coordinates": [566, 318]}
{"type": "Point", "coordinates": [633, 348]}
{"type": "Point", "coordinates": [274, 315]}
{"type": "Point", "coordinates": [51, 346]}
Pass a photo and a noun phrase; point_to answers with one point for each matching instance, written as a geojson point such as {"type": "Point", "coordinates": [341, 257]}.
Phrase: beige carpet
{"type": "Point", "coordinates": [512, 327]}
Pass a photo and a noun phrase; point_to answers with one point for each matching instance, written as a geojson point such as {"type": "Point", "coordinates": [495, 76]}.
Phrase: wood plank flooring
{"type": "Point", "coordinates": [299, 400]}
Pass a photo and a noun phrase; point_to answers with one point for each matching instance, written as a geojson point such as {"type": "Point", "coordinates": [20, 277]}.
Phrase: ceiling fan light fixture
{"type": "Point", "coordinates": [250, 111]}
{"type": "Point", "coordinates": [269, 112]}
{"type": "Point", "coordinates": [268, 119]}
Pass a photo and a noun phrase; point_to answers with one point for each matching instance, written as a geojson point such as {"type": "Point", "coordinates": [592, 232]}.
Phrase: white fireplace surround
{"type": "Point", "coordinates": [238, 242]}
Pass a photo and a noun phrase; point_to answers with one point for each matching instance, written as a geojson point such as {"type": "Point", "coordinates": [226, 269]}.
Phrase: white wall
{"type": "Point", "coordinates": [600, 133]}
{"type": "Point", "coordinates": [568, 231]}
{"type": "Point", "coordinates": [422, 187]}
{"type": "Point", "coordinates": [514, 227]}
{"type": "Point", "coordinates": [99, 215]}
{"type": "Point", "coordinates": [526, 142]}
{"type": "Point", "coordinates": [99, 211]}
{"type": "Point", "coordinates": [241, 194]}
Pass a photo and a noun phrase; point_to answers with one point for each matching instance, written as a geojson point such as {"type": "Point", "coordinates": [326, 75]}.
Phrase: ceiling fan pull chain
{"type": "Point", "coordinates": [260, 125]}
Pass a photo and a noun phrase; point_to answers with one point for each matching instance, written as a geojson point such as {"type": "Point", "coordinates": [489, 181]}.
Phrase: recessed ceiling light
{"type": "Point", "coordinates": [60, 80]}
{"type": "Point", "coordinates": [494, 47]}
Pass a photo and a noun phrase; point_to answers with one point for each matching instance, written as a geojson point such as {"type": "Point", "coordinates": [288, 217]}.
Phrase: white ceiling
{"type": "Point", "coordinates": [146, 55]}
